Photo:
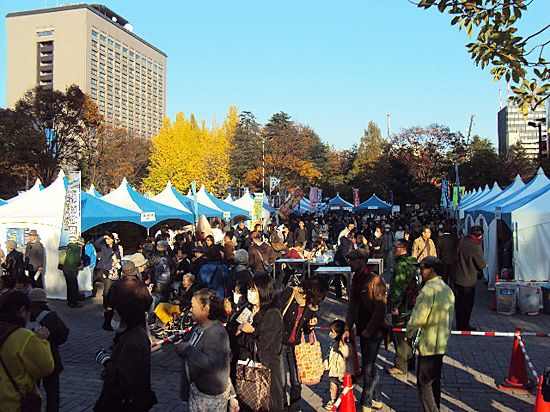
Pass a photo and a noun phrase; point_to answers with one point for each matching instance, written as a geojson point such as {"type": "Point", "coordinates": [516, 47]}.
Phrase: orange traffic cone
{"type": "Point", "coordinates": [540, 404]}
{"type": "Point", "coordinates": [348, 401]}
{"type": "Point", "coordinates": [517, 379]}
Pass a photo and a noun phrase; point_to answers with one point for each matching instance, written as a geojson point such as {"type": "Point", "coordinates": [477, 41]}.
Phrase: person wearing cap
{"type": "Point", "coordinates": [367, 311]}
{"type": "Point", "coordinates": [241, 269]}
{"type": "Point", "coordinates": [429, 328]}
{"type": "Point", "coordinates": [198, 261]}
{"type": "Point", "coordinates": [130, 287]}
{"type": "Point", "coordinates": [34, 259]}
{"type": "Point", "coordinates": [259, 253]}
{"type": "Point", "coordinates": [126, 371]}
{"type": "Point", "coordinates": [71, 267]}
{"type": "Point", "coordinates": [14, 263]}
{"type": "Point", "coordinates": [139, 262]}
{"type": "Point", "coordinates": [43, 316]}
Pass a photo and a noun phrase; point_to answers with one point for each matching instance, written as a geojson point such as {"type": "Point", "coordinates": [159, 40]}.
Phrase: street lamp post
{"type": "Point", "coordinates": [538, 124]}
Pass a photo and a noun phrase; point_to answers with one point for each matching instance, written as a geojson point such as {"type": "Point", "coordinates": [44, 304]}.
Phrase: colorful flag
{"type": "Point", "coordinates": [313, 198]}
{"type": "Point", "coordinates": [273, 182]}
{"type": "Point", "coordinates": [356, 201]}
{"type": "Point", "coordinates": [286, 209]}
{"type": "Point", "coordinates": [195, 203]}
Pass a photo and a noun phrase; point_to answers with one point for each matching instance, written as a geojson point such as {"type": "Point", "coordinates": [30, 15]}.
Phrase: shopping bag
{"type": "Point", "coordinates": [253, 385]}
{"type": "Point", "coordinates": [310, 360]}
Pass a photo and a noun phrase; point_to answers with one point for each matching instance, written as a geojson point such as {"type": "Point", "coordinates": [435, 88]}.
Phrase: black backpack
{"type": "Point", "coordinates": [162, 271]}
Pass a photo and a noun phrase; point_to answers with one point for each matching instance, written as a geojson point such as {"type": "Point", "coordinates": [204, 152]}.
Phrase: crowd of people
{"type": "Point", "coordinates": [241, 309]}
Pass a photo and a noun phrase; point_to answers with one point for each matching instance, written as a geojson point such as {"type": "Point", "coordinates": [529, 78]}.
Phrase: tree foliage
{"type": "Point", "coordinates": [184, 151]}
{"type": "Point", "coordinates": [514, 57]}
{"type": "Point", "coordinates": [371, 148]}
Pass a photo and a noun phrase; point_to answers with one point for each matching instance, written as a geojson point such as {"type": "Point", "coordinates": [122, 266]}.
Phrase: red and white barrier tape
{"type": "Point", "coordinates": [339, 400]}
{"type": "Point", "coordinates": [522, 281]}
{"type": "Point", "coordinates": [528, 359]}
{"type": "Point", "coordinates": [169, 338]}
{"type": "Point", "coordinates": [472, 333]}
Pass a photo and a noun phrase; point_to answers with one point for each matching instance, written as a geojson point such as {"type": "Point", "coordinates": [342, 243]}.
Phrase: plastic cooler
{"type": "Point", "coordinates": [528, 298]}
{"type": "Point", "coordinates": [545, 292]}
{"type": "Point", "coordinates": [506, 297]}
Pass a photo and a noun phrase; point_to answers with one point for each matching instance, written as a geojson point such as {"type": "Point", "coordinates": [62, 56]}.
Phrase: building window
{"type": "Point", "coordinates": [117, 55]}
{"type": "Point", "coordinates": [117, 90]}
{"type": "Point", "coordinates": [110, 60]}
{"type": "Point", "coordinates": [94, 33]}
{"type": "Point", "coordinates": [110, 96]}
{"type": "Point", "coordinates": [93, 81]}
{"type": "Point", "coordinates": [110, 42]}
{"type": "Point", "coordinates": [109, 105]}
{"type": "Point", "coordinates": [102, 84]}
{"type": "Point", "coordinates": [109, 115]}
{"type": "Point", "coordinates": [102, 112]}
{"type": "Point", "coordinates": [102, 65]}
{"type": "Point", "coordinates": [93, 90]}
{"type": "Point", "coordinates": [45, 33]}
{"type": "Point", "coordinates": [101, 102]}
{"type": "Point", "coordinates": [131, 53]}
{"type": "Point", "coordinates": [94, 72]}
{"type": "Point", "coordinates": [117, 46]}
{"type": "Point", "coordinates": [101, 56]}
{"type": "Point", "coordinates": [94, 62]}
{"type": "Point", "coordinates": [155, 66]}
{"type": "Point", "coordinates": [102, 47]}
{"type": "Point", "coordinates": [117, 64]}
{"type": "Point", "coordinates": [94, 43]}
{"type": "Point", "coordinates": [101, 37]}
{"type": "Point", "coordinates": [94, 53]}
{"type": "Point", "coordinates": [101, 93]}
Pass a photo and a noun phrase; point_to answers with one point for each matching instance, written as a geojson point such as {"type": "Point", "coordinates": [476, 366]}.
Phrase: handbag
{"type": "Point", "coordinates": [253, 386]}
{"type": "Point", "coordinates": [309, 360]}
{"type": "Point", "coordinates": [30, 402]}
{"type": "Point", "coordinates": [268, 267]}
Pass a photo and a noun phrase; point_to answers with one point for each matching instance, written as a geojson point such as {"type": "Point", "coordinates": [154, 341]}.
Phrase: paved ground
{"type": "Point", "coordinates": [472, 368]}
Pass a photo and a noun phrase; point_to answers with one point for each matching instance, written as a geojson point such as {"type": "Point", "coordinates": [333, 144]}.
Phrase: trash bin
{"type": "Point", "coordinates": [545, 292]}
{"type": "Point", "coordinates": [506, 297]}
{"type": "Point", "coordinates": [528, 298]}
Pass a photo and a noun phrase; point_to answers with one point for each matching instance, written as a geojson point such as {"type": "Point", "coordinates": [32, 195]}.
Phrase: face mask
{"type": "Point", "coordinates": [236, 298]}
{"type": "Point", "coordinates": [253, 297]}
{"type": "Point", "coordinates": [115, 324]}
{"type": "Point", "coordinates": [332, 335]}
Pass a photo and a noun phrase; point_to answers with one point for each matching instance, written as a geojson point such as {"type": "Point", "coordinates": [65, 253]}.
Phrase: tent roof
{"type": "Point", "coordinates": [92, 191]}
{"type": "Point", "coordinates": [488, 207]}
{"type": "Point", "coordinates": [374, 202]}
{"type": "Point", "coordinates": [37, 187]}
{"type": "Point", "coordinates": [246, 202]}
{"type": "Point", "coordinates": [171, 197]}
{"type": "Point", "coordinates": [534, 212]}
{"type": "Point", "coordinates": [46, 203]}
{"type": "Point", "coordinates": [229, 199]}
{"type": "Point", "coordinates": [127, 198]}
{"type": "Point", "coordinates": [96, 211]}
{"type": "Point", "coordinates": [337, 201]}
{"type": "Point", "coordinates": [205, 197]}
{"type": "Point", "coordinates": [489, 196]}
{"type": "Point", "coordinates": [479, 195]}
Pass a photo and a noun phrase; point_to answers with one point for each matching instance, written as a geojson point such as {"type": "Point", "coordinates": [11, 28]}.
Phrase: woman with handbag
{"type": "Point", "coordinates": [298, 306]}
{"type": "Point", "coordinates": [205, 353]}
{"type": "Point", "coordinates": [127, 371]}
{"type": "Point", "coordinates": [259, 338]}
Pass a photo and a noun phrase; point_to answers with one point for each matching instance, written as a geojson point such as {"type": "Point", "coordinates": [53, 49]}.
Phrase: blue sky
{"type": "Point", "coordinates": [334, 65]}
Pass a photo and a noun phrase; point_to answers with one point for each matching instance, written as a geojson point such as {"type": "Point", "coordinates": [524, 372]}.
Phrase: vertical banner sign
{"type": "Point", "coordinates": [356, 201]}
{"type": "Point", "coordinates": [286, 209]}
{"type": "Point", "coordinates": [443, 192]}
{"type": "Point", "coordinates": [195, 203]}
{"type": "Point", "coordinates": [457, 185]}
{"type": "Point", "coordinates": [313, 198]}
{"type": "Point", "coordinates": [70, 229]}
{"type": "Point", "coordinates": [273, 182]}
{"type": "Point", "coordinates": [258, 202]}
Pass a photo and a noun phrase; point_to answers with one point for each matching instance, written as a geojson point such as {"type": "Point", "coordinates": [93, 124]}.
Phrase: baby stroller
{"type": "Point", "coordinates": [174, 318]}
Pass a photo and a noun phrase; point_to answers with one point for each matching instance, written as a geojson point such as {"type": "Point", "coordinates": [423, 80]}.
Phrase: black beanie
{"type": "Point", "coordinates": [131, 313]}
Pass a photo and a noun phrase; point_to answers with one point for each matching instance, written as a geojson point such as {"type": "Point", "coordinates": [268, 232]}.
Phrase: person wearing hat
{"type": "Point", "coordinates": [126, 371]}
{"type": "Point", "coordinates": [34, 259]}
{"type": "Point", "coordinates": [14, 263]}
{"type": "Point", "coordinates": [429, 328]}
{"type": "Point", "coordinates": [198, 261]}
{"type": "Point", "coordinates": [367, 311]}
{"type": "Point", "coordinates": [139, 262]}
{"type": "Point", "coordinates": [71, 267]}
{"type": "Point", "coordinates": [130, 287]}
{"type": "Point", "coordinates": [241, 270]}
{"type": "Point", "coordinates": [43, 316]}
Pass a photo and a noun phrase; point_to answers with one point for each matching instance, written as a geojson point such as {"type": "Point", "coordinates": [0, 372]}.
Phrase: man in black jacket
{"type": "Point", "coordinates": [130, 287]}
{"type": "Point", "coordinates": [469, 262]}
{"type": "Point", "coordinates": [34, 259]}
{"type": "Point", "coordinates": [13, 264]}
{"type": "Point", "coordinates": [163, 271]}
{"type": "Point", "coordinates": [298, 305]}
{"type": "Point", "coordinates": [41, 315]}
{"type": "Point", "coordinates": [241, 234]}
{"type": "Point", "coordinates": [446, 248]}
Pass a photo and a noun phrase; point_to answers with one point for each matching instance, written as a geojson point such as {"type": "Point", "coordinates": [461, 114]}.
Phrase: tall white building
{"type": "Point", "coordinates": [95, 48]}
{"type": "Point", "coordinates": [513, 127]}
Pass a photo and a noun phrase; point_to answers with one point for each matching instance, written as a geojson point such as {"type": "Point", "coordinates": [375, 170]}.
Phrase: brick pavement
{"type": "Point", "coordinates": [472, 367]}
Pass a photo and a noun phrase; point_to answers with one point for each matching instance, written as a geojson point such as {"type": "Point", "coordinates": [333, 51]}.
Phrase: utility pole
{"type": "Point", "coordinates": [263, 165]}
{"type": "Point", "coordinates": [537, 123]}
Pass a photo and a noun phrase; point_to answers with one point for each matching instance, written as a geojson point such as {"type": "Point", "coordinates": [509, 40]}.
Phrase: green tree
{"type": "Point", "coordinates": [245, 146]}
{"type": "Point", "coordinates": [482, 166]}
{"type": "Point", "coordinates": [514, 57]}
{"type": "Point", "coordinates": [52, 129]}
{"type": "Point", "coordinates": [366, 166]}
